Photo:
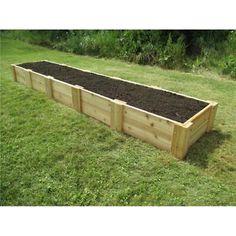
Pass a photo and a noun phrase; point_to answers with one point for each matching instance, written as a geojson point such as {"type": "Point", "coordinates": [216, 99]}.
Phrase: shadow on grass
{"type": "Point", "coordinates": [198, 154]}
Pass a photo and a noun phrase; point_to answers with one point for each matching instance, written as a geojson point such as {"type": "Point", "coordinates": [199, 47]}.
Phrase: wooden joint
{"type": "Point", "coordinates": [76, 97]}
{"type": "Point", "coordinates": [117, 108]}
{"type": "Point", "coordinates": [14, 72]}
{"type": "Point", "coordinates": [180, 140]}
{"type": "Point", "coordinates": [48, 86]}
{"type": "Point", "coordinates": [212, 114]}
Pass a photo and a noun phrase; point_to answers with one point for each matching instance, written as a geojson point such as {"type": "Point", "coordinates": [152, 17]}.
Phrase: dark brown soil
{"type": "Point", "coordinates": [172, 106]}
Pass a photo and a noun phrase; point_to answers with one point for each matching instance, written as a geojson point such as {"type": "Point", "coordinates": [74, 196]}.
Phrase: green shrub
{"type": "Point", "coordinates": [229, 66]}
{"type": "Point", "coordinates": [173, 55]}
{"type": "Point", "coordinates": [172, 49]}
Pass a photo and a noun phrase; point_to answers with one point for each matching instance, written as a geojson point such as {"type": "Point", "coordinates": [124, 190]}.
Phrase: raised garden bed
{"type": "Point", "coordinates": [168, 120]}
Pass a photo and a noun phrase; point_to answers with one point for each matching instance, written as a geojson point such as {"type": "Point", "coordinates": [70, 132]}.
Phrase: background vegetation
{"type": "Point", "coordinates": [187, 50]}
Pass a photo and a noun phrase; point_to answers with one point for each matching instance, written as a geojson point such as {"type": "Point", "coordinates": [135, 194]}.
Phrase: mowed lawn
{"type": "Point", "coordinates": [52, 155]}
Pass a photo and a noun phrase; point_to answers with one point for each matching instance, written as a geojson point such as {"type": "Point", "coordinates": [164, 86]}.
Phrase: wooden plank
{"type": "Point", "coordinates": [38, 81]}
{"type": "Point", "coordinates": [196, 116]}
{"type": "Point", "coordinates": [21, 79]}
{"type": "Point", "coordinates": [14, 72]}
{"type": "Point", "coordinates": [96, 100]}
{"type": "Point", "coordinates": [153, 128]}
{"type": "Point", "coordinates": [214, 106]}
{"type": "Point", "coordinates": [20, 71]}
{"type": "Point", "coordinates": [61, 87]}
{"type": "Point", "coordinates": [146, 136]}
{"type": "Point", "coordinates": [198, 121]}
{"type": "Point", "coordinates": [117, 114]}
{"type": "Point", "coordinates": [96, 113]}
{"type": "Point", "coordinates": [180, 140]}
{"type": "Point", "coordinates": [149, 119]}
{"type": "Point", "coordinates": [62, 98]}
{"type": "Point", "coordinates": [48, 86]}
{"type": "Point", "coordinates": [28, 79]}
{"type": "Point", "coordinates": [20, 74]}
{"type": "Point", "coordinates": [198, 133]}
{"type": "Point", "coordinates": [76, 98]}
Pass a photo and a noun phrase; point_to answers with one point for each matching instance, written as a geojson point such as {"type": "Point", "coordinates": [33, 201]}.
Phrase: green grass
{"type": "Point", "coordinates": [52, 155]}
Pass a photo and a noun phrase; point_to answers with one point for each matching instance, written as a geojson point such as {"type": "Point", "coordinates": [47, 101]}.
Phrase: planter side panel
{"type": "Point", "coordinates": [62, 92]}
{"type": "Point", "coordinates": [148, 127]}
{"type": "Point", "coordinates": [96, 106]}
{"type": "Point", "coordinates": [21, 75]}
{"type": "Point", "coordinates": [38, 81]}
{"type": "Point", "coordinates": [199, 126]}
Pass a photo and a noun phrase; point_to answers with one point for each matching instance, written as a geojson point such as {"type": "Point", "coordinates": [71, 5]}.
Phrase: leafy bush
{"type": "Point", "coordinates": [229, 67]}
{"type": "Point", "coordinates": [181, 49]}
{"type": "Point", "coordinates": [173, 55]}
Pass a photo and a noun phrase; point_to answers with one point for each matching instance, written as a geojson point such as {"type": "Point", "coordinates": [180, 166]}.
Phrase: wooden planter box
{"type": "Point", "coordinates": [162, 132]}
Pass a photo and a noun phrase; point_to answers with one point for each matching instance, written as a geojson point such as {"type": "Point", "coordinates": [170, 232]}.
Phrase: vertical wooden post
{"type": "Point", "coordinates": [76, 97]}
{"type": "Point", "coordinates": [179, 144]}
{"type": "Point", "coordinates": [212, 115]}
{"type": "Point", "coordinates": [28, 79]}
{"type": "Point", "coordinates": [14, 72]}
{"type": "Point", "coordinates": [117, 114]}
{"type": "Point", "coordinates": [48, 86]}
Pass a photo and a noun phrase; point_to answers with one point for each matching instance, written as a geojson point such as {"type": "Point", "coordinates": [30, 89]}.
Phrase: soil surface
{"type": "Point", "coordinates": [169, 105]}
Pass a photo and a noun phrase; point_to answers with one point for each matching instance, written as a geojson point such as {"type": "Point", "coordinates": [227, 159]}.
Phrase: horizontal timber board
{"type": "Point", "coordinates": [21, 79]}
{"type": "Point", "coordinates": [60, 97]}
{"type": "Point", "coordinates": [96, 113]}
{"type": "Point", "coordinates": [62, 88]}
{"type": "Point", "coordinates": [197, 134]}
{"type": "Point", "coordinates": [38, 81]}
{"type": "Point", "coordinates": [146, 136]}
{"type": "Point", "coordinates": [149, 128]}
{"type": "Point", "coordinates": [20, 71]}
{"type": "Point", "coordinates": [198, 121]}
{"type": "Point", "coordinates": [148, 119]}
{"type": "Point", "coordinates": [95, 100]}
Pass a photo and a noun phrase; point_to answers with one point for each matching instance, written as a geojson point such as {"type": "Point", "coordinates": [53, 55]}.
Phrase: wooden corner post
{"type": "Point", "coordinates": [76, 97]}
{"type": "Point", "coordinates": [48, 86]}
{"type": "Point", "coordinates": [14, 72]}
{"type": "Point", "coordinates": [212, 115]}
{"type": "Point", "coordinates": [180, 140]}
{"type": "Point", "coordinates": [117, 114]}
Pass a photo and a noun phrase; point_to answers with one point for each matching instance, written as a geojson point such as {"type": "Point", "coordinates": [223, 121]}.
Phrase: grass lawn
{"type": "Point", "coordinates": [52, 155]}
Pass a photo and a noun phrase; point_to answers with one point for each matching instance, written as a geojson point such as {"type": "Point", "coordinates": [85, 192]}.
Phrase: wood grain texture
{"type": "Point", "coordinates": [211, 119]}
{"type": "Point", "coordinates": [38, 81]}
{"type": "Point", "coordinates": [76, 98]}
{"type": "Point", "coordinates": [180, 140]}
{"type": "Point", "coordinates": [198, 133]}
{"type": "Point", "coordinates": [14, 72]}
{"type": "Point", "coordinates": [96, 112]}
{"type": "Point", "coordinates": [148, 127]}
{"type": "Point", "coordinates": [117, 115]}
{"type": "Point", "coordinates": [20, 74]}
{"type": "Point", "coordinates": [61, 87]}
{"type": "Point", "coordinates": [97, 100]}
{"type": "Point", "coordinates": [48, 86]}
{"type": "Point", "coordinates": [28, 79]}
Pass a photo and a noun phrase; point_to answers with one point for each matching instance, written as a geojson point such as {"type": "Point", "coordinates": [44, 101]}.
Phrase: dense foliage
{"type": "Point", "coordinates": [178, 49]}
